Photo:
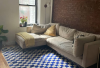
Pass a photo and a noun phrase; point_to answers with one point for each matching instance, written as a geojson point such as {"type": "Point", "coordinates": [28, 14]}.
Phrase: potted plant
{"type": "Point", "coordinates": [2, 38]}
{"type": "Point", "coordinates": [23, 21]}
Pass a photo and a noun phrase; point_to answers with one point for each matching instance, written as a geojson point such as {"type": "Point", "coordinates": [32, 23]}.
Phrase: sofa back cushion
{"type": "Point", "coordinates": [78, 46]}
{"type": "Point", "coordinates": [66, 32]}
{"type": "Point", "coordinates": [97, 36]}
{"type": "Point", "coordinates": [77, 33]}
{"type": "Point", "coordinates": [38, 29]}
{"type": "Point", "coordinates": [45, 25]}
{"type": "Point", "coordinates": [57, 27]}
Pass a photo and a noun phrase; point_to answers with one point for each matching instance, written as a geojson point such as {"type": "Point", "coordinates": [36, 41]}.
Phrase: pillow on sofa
{"type": "Point", "coordinates": [51, 31]}
{"type": "Point", "coordinates": [86, 34]}
{"type": "Point", "coordinates": [79, 45]}
{"type": "Point", "coordinates": [57, 27]}
{"type": "Point", "coordinates": [45, 25]}
{"type": "Point", "coordinates": [37, 29]}
{"type": "Point", "coordinates": [66, 32]}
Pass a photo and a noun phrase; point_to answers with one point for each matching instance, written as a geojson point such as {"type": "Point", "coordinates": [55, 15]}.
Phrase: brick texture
{"type": "Point", "coordinates": [83, 15]}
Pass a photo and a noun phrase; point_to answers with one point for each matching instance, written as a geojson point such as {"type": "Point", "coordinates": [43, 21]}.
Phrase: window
{"type": "Point", "coordinates": [28, 8]}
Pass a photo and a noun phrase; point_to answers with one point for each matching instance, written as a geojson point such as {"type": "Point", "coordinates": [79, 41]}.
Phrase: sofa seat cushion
{"type": "Point", "coordinates": [36, 37]}
{"type": "Point", "coordinates": [38, 40]}
{"type": "Point", "coordinates": [61, 43]}
{"type": "Point", "coordinates": [45, 36]}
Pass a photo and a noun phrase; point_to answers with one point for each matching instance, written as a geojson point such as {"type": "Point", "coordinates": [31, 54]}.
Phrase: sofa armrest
{"type": "Point", "coordinates": [90, 54]}
{"type": "Point", "coordinates": [78, 46]}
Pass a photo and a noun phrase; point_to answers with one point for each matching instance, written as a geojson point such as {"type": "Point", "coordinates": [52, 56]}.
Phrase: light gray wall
{"type": "Point", "coordinates": [9, 17]}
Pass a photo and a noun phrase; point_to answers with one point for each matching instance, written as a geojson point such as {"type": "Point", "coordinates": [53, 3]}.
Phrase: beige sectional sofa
{"type": "Point", "coordinates": [84, 51]}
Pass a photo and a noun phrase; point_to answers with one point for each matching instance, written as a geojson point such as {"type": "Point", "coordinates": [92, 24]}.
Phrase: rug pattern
{"type": "Point", "coordinates": [43, 57]}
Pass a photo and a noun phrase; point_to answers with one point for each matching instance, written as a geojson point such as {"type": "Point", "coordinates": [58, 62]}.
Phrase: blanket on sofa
{"type": "Point", "coordinates": [29, 40]}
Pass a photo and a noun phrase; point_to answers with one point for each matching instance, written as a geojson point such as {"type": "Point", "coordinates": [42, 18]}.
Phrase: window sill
{"type": "Point", "coordinates": [25, 26]}
{"type": "Point", "coordinates": [29, 26]}
{"type": "Point", "coordinates": [22, 26]}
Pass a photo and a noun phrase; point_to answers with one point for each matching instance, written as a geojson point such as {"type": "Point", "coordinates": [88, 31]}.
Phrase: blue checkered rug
{"type": "Point", "coordinates": [42, 57]}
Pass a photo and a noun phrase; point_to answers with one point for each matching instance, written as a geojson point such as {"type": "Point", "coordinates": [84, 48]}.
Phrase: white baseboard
{"type": "Point", "coordinates": [8, 43]}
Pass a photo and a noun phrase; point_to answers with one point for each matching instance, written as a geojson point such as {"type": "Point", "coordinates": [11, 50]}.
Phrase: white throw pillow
{"type": "Point", "coordinates": [66, 32]}
{"type": "Point", "coordinates": [38, 29]}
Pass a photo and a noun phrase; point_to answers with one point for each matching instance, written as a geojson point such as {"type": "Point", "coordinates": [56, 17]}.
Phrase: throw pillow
{"type": "Point", "coordinates": [37, 29]}
{"type": "Point", "coordinates": [57, 27]}
{"type": "Point", "coordinates": [51, 31]}
{"type": "Point", "coordinates": [66, 32]}
{"type": "Point", "coordinates": [45, 25]}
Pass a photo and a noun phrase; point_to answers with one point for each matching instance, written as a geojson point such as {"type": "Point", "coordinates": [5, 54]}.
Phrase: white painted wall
{"type": "Point", "coordinates": [41, 11]}
{"type": "Point", "coordinates": [9, 17]}
{"type": "Point", "coordinates": [51, 11]}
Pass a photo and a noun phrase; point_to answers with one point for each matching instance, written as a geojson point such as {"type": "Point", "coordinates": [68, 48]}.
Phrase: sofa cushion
{"type": "Point", "coordinates": [79, 45]}
{"type": "Point", "coordinates": [66, 32]}
{"type": "Point", "coordinates": [51, 31]}
{"type": "Point", "coordinates": [61, 43]}
{"type": "Point", "coordinates": [37, 29]}
{"type": "Point", "coordinates": [57, 27]}
{"type": "Point", "coordinates": [38, 40]}
{"type": "Point", "coordinates": [45, 25]}
{"type": "Point", "coordinates": [77, 33]}
{"type": "Point", "coordinates": [45, 36]}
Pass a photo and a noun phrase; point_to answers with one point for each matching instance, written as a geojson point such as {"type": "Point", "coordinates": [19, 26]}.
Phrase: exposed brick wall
{"type": "Point", "coordinates": [83, 15]}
